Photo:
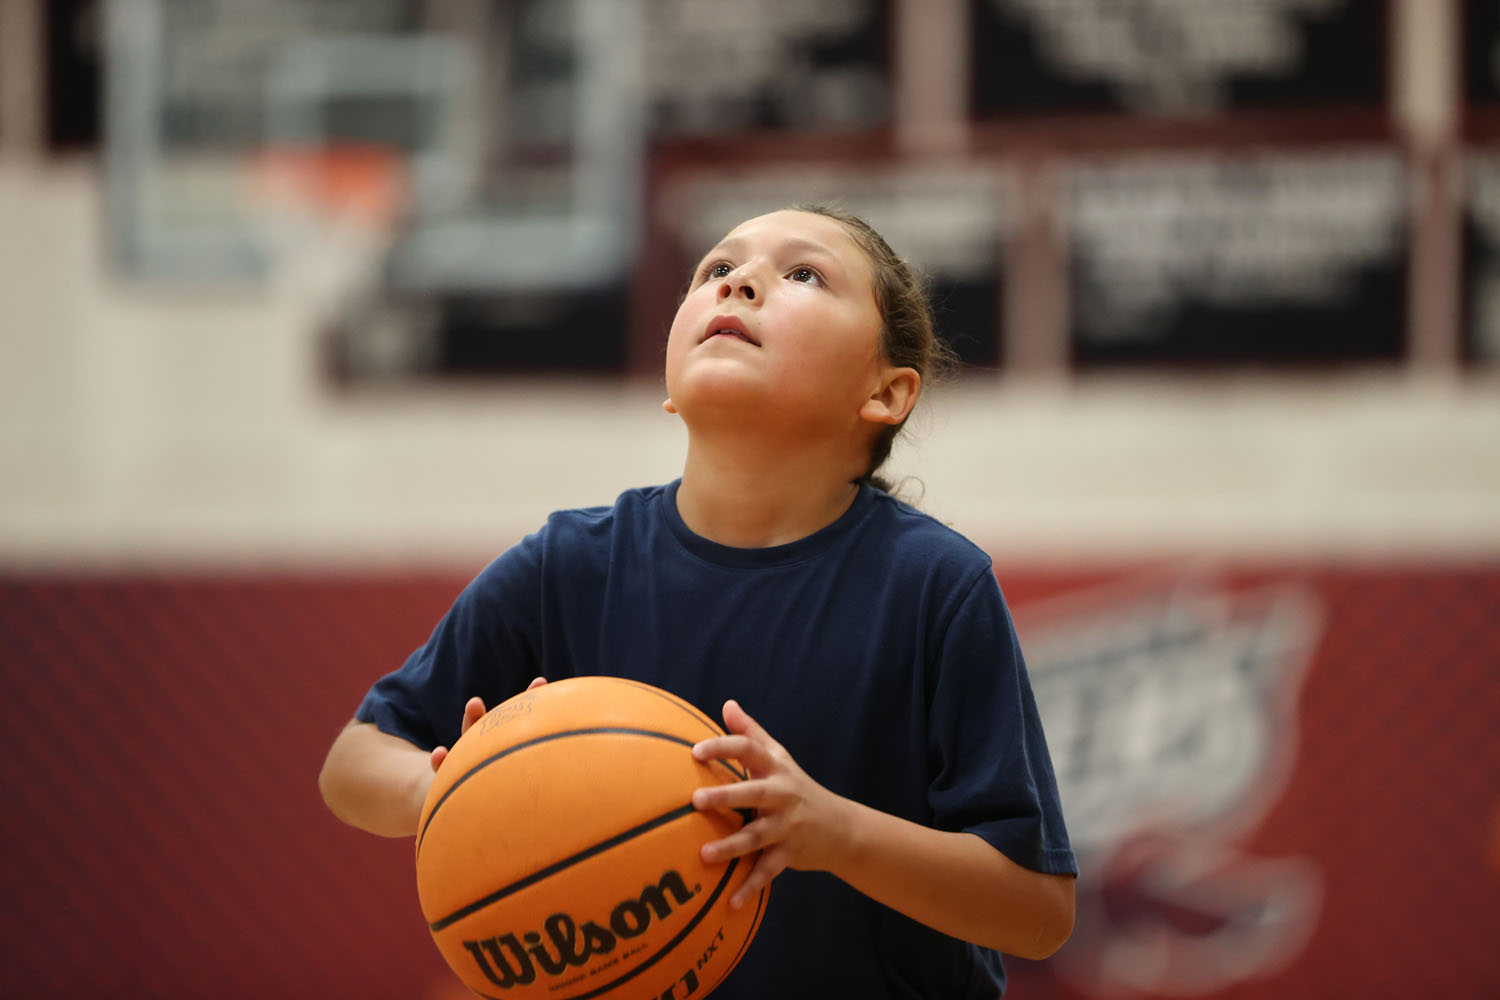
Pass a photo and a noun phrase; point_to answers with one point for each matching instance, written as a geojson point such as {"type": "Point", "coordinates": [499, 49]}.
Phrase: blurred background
{"type": "Point", "coordinates": [308, 309]}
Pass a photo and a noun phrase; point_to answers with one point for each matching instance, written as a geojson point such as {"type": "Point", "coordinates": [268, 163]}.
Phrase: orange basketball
{"type": "Point", "coordinates": [558, 849]}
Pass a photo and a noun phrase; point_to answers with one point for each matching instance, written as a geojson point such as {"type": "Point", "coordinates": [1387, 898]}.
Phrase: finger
{"type": "Point", "coordinates": [746, 840]}
{"type": "Point", "coordinates": [754, 794]}
{"type": "Point", "coordinates": [473, 712]}
{"type": "Point", "coordinates": [721, 746]}
{"type": "Point", "coordinates": [767, 867]}
{"type": "Point", "coordinates": [757, 757]}
{"type": "Point", "coordinates": [536, 683]}
{"type": "Point", "coordinates": [439, 754]}
{"type": "Point", "coordinates": [737, 720]}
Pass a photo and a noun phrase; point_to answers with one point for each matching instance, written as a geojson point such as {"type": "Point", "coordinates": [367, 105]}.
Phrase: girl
{"type": "Point", "coordinates": [904, 798]}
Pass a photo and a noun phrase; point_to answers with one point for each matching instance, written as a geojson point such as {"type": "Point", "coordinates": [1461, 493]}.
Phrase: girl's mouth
{"type": "Point", "coordinates": [729, 326]}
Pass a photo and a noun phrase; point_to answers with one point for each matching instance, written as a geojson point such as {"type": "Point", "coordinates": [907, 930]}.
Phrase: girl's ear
{"type": "Point", "coordinates": [893, 398]}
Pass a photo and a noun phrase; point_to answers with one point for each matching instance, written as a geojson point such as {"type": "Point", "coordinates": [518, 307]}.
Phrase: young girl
{"type": "Point", "coordinates": [867, 669]}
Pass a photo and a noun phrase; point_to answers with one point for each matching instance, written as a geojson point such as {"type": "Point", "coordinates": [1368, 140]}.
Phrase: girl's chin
{"type": "Point", "coordinates": [717, 387]}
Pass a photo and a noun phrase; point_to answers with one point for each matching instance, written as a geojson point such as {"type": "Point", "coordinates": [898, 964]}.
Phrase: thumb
{"type": "Point", "coordinates": [473, 712]}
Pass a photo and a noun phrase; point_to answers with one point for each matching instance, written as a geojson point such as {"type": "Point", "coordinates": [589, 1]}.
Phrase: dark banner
{"type": "Point", "coordinates": [1175, 59]}
{"type": "Point", "coordinates": [1481, 35]}
{"type": "Point", "coordinates": [1276, 259]}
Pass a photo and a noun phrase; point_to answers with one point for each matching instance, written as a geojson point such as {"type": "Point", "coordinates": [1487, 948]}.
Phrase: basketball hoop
{"type": "Point", "coordinates": [327, 217]}
{"type": "Point", "coordinates": [366, 185]}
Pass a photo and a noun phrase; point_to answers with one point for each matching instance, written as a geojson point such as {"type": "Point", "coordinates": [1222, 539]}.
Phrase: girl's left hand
{"type": "Point", "coordinates": [473, 712]}
{"type": "Point", "coordinates": [798, 823]}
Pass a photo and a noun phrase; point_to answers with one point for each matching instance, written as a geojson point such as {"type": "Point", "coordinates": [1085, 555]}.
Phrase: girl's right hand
{"type": "Point", "coordinates": [473, 712]}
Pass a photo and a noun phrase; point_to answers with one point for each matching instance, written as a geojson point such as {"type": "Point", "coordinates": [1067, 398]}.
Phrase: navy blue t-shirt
{"type": "Point", "coordinates": [878, 651]}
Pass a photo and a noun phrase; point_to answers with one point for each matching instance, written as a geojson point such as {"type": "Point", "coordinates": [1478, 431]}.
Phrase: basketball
{"type": "Point", "coordinates": [557, 852]}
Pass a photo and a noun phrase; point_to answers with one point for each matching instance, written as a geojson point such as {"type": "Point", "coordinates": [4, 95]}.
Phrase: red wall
{"type": "Point", "coordinates": [164, 835]}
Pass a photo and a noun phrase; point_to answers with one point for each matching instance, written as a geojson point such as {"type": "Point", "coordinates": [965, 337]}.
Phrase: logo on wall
{"type": "Point", "coordinates": [1171, 714]}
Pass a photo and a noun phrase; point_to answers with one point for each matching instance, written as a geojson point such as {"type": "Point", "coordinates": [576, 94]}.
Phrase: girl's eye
{"type": "Point", "coordinates": [806, 274]}
{"type": "Point", "coordinates": [718, 269]}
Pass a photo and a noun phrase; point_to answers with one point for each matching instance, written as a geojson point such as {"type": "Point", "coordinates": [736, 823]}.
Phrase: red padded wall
{"type": "Point", "coordinates": [161, 734]}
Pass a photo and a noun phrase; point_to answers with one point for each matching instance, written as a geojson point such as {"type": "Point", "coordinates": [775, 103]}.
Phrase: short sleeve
{"type": "Point", "coordinates": [485, 645]}
{"type": "Point", "coordinates": [991, 771]}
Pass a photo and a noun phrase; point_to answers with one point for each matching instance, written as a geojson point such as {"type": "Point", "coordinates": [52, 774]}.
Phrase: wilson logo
{"type": "Point", "coordinates": [562, 943]}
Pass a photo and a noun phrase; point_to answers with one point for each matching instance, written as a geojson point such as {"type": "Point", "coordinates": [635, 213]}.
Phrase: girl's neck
{"type": "Point", "coordinates": [767, 497]}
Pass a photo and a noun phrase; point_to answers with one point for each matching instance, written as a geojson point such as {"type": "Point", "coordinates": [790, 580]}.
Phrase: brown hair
{"type": "Point", "coordinates": [908, 334]}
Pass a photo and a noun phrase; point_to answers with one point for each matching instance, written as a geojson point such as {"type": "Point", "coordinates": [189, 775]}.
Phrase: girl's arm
{"type": "Point", "coordinates": [953, 882]}
{"type": "Point", "coordinates": [378, 782]}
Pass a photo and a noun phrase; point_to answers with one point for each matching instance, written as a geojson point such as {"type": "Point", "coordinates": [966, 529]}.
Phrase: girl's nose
{"type": "Point", "coordinates": [737, 284]}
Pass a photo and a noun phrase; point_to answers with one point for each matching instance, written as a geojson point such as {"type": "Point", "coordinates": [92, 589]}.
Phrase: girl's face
{"type": "Point", "coordinates": [779, 322]}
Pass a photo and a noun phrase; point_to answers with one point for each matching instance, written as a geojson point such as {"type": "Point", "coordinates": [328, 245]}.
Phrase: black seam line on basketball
{"type": "Point", "coordinates": [553, 869]}
{"type": "Point", "coordinates": [565, 734]}
{"type": "Point", "coordinates": [760, 908]}
{"type": "Point", "coordinates": [739, 775]}
{"type": "Point", "coordinates": [682, 704]}
{"type": "Point", "coordinates": [691, 711]}
{"type": "Point", "coordinates": [666, 949]}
